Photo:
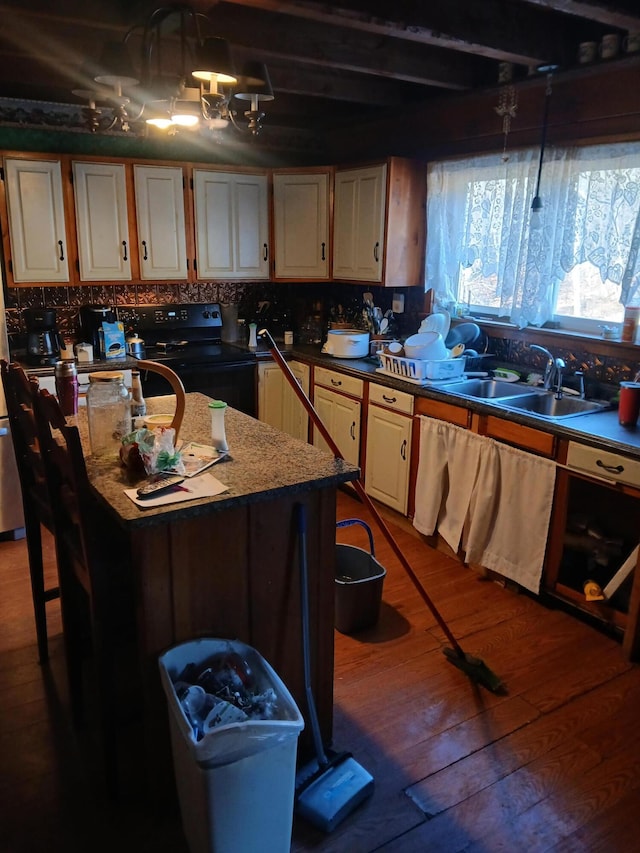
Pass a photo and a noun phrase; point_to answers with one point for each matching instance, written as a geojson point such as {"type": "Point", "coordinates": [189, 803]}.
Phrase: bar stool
{"type": "Point", "coordinates": [18, 391]}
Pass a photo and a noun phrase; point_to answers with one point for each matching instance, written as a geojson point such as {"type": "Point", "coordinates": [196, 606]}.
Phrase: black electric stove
{"type": "Point", "coordinates": [188, 339]}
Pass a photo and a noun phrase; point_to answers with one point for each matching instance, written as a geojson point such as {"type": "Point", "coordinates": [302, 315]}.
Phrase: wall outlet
{"type": "Point", "coordinates": [397, 306]}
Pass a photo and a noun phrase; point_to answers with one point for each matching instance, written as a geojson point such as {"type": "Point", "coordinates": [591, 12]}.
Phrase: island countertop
{"type": "Point", "coordinates": [264, 464]}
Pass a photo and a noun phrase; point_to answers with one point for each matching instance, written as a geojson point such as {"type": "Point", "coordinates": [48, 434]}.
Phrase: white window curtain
{"type": "Point", "coordinates": [479, 220]}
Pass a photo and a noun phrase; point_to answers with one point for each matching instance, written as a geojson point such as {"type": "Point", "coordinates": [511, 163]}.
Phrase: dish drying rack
{"type": "Point", "coordinates": [421, 372]}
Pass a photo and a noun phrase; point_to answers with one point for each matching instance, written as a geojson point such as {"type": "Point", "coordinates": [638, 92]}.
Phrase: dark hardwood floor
{"type": "Point", "coordinates": [553, 765]}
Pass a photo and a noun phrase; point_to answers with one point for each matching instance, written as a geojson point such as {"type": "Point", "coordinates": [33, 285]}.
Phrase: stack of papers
{"type": "Point", "coordinates": [196, 457]}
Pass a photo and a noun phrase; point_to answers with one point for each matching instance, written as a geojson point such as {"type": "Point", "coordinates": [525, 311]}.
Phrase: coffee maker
{"type": "Point", "coordinates": [43, 340]}
{"type": "Point", "coordinates": [91, 319]}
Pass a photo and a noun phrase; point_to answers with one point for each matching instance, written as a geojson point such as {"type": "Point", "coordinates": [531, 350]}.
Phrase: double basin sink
{"type": "Point", "coordinates": [524, 398]}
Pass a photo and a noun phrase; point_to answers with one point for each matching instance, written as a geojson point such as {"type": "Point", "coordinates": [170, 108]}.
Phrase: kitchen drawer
{"type": "Point", "coordinates": [521, 436]}
{"type": "Point", "coordinates": [602, 463]}
{"type": "Point", "coordinates": [338, 382]}
{"type": "Point", "coordinates": [390, 398]}
{"type": "Point", "coordinates": [443, 411]}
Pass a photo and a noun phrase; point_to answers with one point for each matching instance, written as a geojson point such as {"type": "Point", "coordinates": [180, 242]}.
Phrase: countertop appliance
{"type": "Point", "coordinates": [188, 339]}
{"type": "Point", "coordinates": [43, 340]}
{"type": "Point", "coordinates": [91, 319]}
{"type": "Point", "coordinates": [11, 517]}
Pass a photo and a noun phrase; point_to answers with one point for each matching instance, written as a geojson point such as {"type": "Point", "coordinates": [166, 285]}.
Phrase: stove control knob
{"type": "Point", "coordinates": [206, 315]}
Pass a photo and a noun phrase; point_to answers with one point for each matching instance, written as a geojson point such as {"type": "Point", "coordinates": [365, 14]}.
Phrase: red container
{"type": "Point", "coordinates": [67, 387]}
{"type": "Point", "coordinates": [629, 406]}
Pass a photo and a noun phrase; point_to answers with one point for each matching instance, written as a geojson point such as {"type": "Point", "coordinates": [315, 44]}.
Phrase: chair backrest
{"type": "Point", "coordinates": [177, 386]}
{"type": "Point", "coordinates": [19, 394]}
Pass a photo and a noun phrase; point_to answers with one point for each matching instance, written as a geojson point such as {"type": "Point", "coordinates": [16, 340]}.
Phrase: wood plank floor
{"type": "Point", "coordinates": [553, 765]}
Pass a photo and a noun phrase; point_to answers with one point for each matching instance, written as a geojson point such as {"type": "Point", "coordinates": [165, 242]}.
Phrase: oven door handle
{"type": "Point", "coordinates": [178, 389]}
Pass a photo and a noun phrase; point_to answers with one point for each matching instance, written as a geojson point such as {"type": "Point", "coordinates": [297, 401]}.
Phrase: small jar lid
{"type": "Point", "coordinates": [107, 376]}
{"type": "Point", "coordinates": [65, 368]}
{"type": "Point", "coordinates": [217, 404]}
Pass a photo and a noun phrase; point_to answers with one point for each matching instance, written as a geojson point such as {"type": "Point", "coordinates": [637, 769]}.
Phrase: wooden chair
{"type": "Point", "coordinates": [176, 384]}
{"type": "Point", "coordinates": [18, 391]}
{"type": "Point", "coordinates": [96, 580]}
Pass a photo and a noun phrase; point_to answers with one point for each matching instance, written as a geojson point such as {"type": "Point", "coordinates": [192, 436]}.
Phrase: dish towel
{"type": "Point", "coordinates": [492, 500]}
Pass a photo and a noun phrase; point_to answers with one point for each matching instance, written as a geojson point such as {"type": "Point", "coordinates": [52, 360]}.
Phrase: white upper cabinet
{"type": "Point", "coordinates": [102, 222]}
{"type": "Point", "coordinates": [359, 223]}
{"type": "Point", "coordinates": [35, 204]}
{"type": "Point", "coordinates": [232, 225]}
{"type": "Point", "coordinates": [301, 225]}
{"type": "Point", "coordinates": [161, 222]}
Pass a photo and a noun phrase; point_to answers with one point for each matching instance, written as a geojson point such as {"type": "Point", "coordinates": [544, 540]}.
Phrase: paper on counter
{"type": "Point", "coordinates": [203, 486]}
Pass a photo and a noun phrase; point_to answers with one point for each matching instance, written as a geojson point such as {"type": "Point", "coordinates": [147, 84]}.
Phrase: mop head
{"type": "Point", "coordinates": [476, 669]}
{"type": "Point", "coordinates": [327, 794]}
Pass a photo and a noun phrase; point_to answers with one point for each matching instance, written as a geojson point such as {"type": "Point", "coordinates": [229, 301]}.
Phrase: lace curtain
{"type": "Point", "coordinates": [479, 223]}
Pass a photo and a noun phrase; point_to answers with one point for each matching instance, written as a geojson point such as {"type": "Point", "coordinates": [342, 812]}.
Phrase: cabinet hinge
{"type": "Point", "coordinates": [191, 183]}
{"type": "Point", "coordinates": [1, 173]}
{"type": "Point", "coordinates": [77, 266]}
{"type": "Point", "coordinates": [10, 263]}
{"type": "Point", "coordinates": [195, 265]}
{"type": "Point", "coordinates": [184, 185]}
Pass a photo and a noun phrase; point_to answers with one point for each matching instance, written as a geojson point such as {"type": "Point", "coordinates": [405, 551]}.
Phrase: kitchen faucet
{"type": "Point", "coordinates": [552, 371]}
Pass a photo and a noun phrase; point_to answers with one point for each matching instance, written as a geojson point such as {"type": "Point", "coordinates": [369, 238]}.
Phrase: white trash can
{"type": "Point", "coordinates": [236, 783]}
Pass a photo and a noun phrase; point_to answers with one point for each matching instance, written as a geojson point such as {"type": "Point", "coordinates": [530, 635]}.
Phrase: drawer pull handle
{"type": "Point", "coordinates": [403, 450]}
{"type": "Point", "coordinates": [61, 256]}
{"type": "Point", "coordinates": [389, 399]}
{"type": "Point", "coordinates": [353, 430]}
{"type": "Point", "coordinates": [324, 258]}
{"type": "Point", "coordinates": [613, 469]}
{"type": "Point", "coordinates": [124, 246]}
{"type": "Point", "coordinates": [336, 382]}
{"type": "Point", "coordinates": [145, 257]}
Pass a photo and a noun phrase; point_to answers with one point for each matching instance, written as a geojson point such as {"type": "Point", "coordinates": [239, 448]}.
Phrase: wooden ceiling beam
{"type": "Point", "coordinates": [620, 15]}
{"type": "Point", "coordinates": [494, 29]}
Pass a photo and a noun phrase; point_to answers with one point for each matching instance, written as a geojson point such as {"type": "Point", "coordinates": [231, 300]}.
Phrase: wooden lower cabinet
{"type": "Point", "coordinates": [388, 450]}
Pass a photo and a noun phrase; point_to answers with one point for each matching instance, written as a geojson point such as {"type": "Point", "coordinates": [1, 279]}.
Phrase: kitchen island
{"type": "Point", "coordinates": [227, 566]}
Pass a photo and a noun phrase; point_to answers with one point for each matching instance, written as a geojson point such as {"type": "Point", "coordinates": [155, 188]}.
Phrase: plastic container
{"type": "Point", "coordinates": [218, 432]}
{"type": "Point", "coordinates": [66, 378]}
{"type": "Point", "coordinates": [359, 582]}
{"type": "Point", "coordinates": [418, 371]}
{"type": "Point", "coordinates": [236, 785]}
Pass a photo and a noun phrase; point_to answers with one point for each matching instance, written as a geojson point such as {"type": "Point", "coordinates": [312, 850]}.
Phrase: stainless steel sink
{"type": "Point", "coordinates": [547, 406]}
{"type": "Point", "coordinates": [486, 389]}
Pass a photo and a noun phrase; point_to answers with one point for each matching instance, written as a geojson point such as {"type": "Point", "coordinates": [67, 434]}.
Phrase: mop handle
{"type": "Point", "coordinates": [315, 417]}
{"type": "Point", "coordinates": [306, 632]}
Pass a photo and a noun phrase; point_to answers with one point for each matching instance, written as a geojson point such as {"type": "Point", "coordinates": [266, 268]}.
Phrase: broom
{"type": "Point", "coordinates": [473, 667]}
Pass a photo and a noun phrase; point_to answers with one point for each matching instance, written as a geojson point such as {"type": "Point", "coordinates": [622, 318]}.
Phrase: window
{"type": "Point", "coordinates": [577, 261]}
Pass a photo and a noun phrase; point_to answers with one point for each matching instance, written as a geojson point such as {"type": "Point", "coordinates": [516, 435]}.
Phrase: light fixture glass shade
{"type": "Point", "coordinates": [157, 114]}
{"type": "Point", "coordinates": [254, 83]}
{"type": "Point", "coordinates": [213, 61]}
{"type": "Point", "coordinates": [115, 67]}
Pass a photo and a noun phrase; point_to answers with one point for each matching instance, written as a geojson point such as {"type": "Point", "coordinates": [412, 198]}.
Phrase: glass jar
{"type": "Point", "coordinates": [108, 412]}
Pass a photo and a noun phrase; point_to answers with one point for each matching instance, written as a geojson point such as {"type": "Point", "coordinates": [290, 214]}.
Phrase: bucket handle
{"type": "Point", "coordinates": [348, 522]}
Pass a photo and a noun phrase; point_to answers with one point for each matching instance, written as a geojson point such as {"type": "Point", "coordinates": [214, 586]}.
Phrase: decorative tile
{"type": "Point", "coordinates": [13, 319]}
{"type": "Point", "coordinates": [227, 291]}
{"type": "Point", "coordinates": [124, 294]}
{"type": "Point", "coordinates": [147, 294]}
{"type": "Point", "coordinates": [168, 293]}
{"type": "Point", "coordinates": [55, 296]}
{"type": "Point", "coordinates": [101, 294]}
{"type": "Point", "coordinates": [207, 291]}
{"type": "Point", "coordinates": [79, 295]}
{"type": "Point", "coordinates": [188, 292]}
{"type": "Point", "coordinates": [31, 297]}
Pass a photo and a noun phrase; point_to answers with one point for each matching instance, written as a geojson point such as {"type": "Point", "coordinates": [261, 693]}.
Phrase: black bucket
{"type": "Point", "coordinates": [359, 581]}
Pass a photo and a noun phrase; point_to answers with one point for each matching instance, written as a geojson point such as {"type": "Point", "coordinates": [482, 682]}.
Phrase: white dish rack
{"type": "Point", "coordinates": [421, 372]}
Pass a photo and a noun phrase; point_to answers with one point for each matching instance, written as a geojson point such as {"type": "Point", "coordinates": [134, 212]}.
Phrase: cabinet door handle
{"type": "Point", "coordinates": [403, 449]}
{"type": "Point", "coordinates": [124, 247]}
{"type": "Point", "coordinates": [376, 252]}
{"type": "Point", "coordinates": [388, 399]}
{"type": "Point", "coordinates": [353, 431]}
{"type": "Point", "coordinates": [336, 383]}
{"type": "Point", "coordinates": [61, 250]}
{"type": "Point", "coordinates": [265, 257]}
{"type": "Point", "coordinates": [613, 469]}
{"type": "Point", "coordinates": [323, 254]}
{"type": "Point", "coordinates": [145, 257]}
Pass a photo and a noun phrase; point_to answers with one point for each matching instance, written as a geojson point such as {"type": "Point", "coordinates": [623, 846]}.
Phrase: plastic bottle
{"type": "Point", "coordinates": [218, 434]}
{"type": "Point", "coordinates": [108, 412]}
{"type": "Point", "coordinates": [253, 339]}
{"type": "Point", "coordinates": [138, 403]}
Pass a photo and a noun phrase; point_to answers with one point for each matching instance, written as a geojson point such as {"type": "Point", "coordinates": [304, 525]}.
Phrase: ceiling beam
{"type": "Point", "coordinates": [496, 29]}
{"type": "Point", "coordinates": [621, 15]}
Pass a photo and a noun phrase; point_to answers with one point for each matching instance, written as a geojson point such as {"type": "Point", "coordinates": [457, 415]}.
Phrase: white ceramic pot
{"type": "Point", "coordinates": [426, 346]}
{"type": "Point", "coordinates": [347, 343]}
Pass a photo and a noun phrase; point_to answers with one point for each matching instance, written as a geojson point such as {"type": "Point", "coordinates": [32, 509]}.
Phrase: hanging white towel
{"type": "Point", "coordinates": [509, 519]}
{"type": "Point", "coordinates": [432, 482]}
{"type": "Point", "coordinates": [492, 499]}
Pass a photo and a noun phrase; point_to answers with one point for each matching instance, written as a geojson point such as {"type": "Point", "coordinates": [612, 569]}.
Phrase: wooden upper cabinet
{"type": "Point", "coordinates": [380, 223]}
{"type": "Point", "coordinates": [102, 221]}
{"type": "Point", "coordinates": [232, 224]}
{"type": "Point", "coordinates": [301, 225]}
{"type": "Point", "coordinates": [39, 248]}
{"type": "Point", "coordinates": [162, 246]}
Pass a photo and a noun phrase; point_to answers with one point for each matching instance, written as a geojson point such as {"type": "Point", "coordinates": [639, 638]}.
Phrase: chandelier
{"type": "Point", "coordinates": [184, 78]}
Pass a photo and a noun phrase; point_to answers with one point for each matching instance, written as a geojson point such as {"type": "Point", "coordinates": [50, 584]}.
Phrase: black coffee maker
{"type": "Point", "coordinates": [91, 319]}
{"type": "Point", "coordinates": [43, 340]}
